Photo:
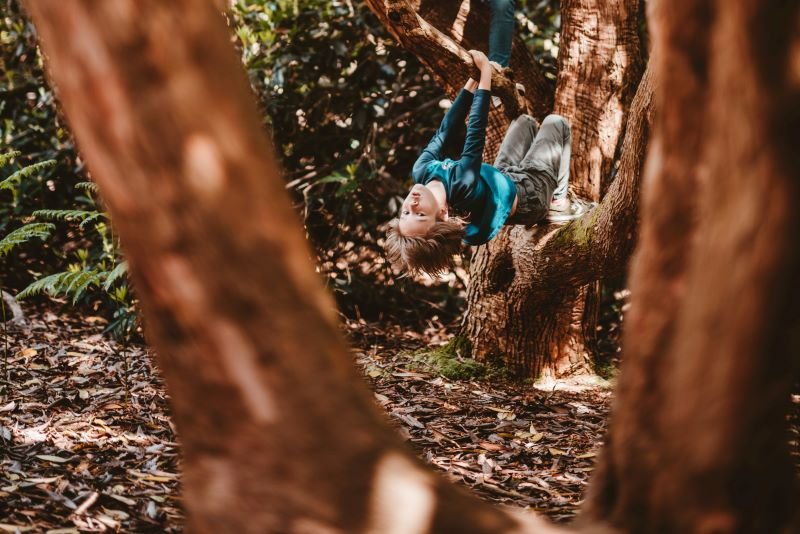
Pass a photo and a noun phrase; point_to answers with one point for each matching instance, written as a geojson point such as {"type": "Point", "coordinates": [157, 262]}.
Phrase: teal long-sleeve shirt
{"type": "Point", "coordinates": [474, 189]}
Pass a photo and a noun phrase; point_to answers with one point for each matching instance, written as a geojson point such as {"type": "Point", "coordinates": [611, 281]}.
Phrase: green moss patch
{"type": "Point", "coordinates": [452, 361]}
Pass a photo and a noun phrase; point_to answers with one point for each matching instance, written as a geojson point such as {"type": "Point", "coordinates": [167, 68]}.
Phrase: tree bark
{"type": "Point", "coordinates": [599, 69]}
{"type": "Point", "coordinates": [698, 439]}
{"type": "Point", "coordinates": [543, 330]}
{"type": "Point", "coordinates": [163, 113]}
{"type": "Point", "coordinates": [530, 281]}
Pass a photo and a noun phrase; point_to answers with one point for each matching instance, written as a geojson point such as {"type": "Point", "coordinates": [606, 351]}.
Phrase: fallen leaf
{"type": "Point", "coordinates": [51, 458]}
{"type": "Point", "coordinates": [120, 498]}
{"type": "Point", "coordinates": [42, 480]}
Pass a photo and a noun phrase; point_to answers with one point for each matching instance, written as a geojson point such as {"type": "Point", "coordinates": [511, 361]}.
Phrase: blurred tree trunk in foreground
{"type": "Point", "coordinates": [278, 434]}
{"type": "Point", "coordinates": [518, 308]}
{"type": "Point", "coordinates": [698, 438]}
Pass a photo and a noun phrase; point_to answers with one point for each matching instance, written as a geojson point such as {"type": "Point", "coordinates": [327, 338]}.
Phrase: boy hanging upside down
{"type": "Point", "coordinates": [467, 200]}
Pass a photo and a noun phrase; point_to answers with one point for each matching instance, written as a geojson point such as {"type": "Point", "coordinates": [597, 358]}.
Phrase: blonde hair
{"type": "Point", "coordinates": [431, 253]}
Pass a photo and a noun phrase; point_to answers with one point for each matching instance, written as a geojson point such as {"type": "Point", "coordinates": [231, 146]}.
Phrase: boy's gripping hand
{"type": "Point", "coordinates": [482, 62]}
{"type": "Point", "coordinates": [480, 59]}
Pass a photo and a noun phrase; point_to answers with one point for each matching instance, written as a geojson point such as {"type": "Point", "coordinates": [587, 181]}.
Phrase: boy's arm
{"type": "Point", "coordinates": [454, 116]}
{"type": "Point", "coordinates": [479, 115]}
{"type": "Point", "coordinates": [468, 170]}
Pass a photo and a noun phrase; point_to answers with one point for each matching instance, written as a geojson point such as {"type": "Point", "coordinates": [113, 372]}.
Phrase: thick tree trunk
{"type": "Point", "coordinates": [698, 436]}
{"type": "Point", "coordinates": [523, 287]}
{"type": "Point", "coordinates": [599, 69]}
{"type": "Point", "coordinates": [258, 375]}
{"type": "Point", "coordinates": [550, 331]}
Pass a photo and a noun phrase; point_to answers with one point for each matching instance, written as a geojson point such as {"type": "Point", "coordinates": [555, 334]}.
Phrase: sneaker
{"type": "Point", "coordinates": [568, 209]}
{"type": "Point", "coordinates": [496, 99]}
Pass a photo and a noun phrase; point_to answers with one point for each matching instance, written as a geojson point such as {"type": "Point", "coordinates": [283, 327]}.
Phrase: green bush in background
{"type": "Point", "coordinates": [347, 111]}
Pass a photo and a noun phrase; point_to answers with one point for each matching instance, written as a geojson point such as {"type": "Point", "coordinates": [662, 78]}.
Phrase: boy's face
{"type": "Point", "coordinates": [419, 212]}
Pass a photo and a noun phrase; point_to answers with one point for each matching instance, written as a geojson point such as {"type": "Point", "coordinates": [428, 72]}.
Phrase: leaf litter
{"type": "Point", "coordinates": [88, 446]}
{"type": "Point", "coordinates": [86, 440]}
{"type": "Point", "coordinates": [509, 442]}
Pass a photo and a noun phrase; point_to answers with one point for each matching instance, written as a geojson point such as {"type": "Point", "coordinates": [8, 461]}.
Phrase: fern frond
{"type": "Point", "coordinates": [65, 215]}
{"type": "Point", "coordinates": [80, 283]}
{"type": "Point", "coordinates": [24, 234]}
{"type": "Point", "coordinates": [48, 284]}
{"type": "Point", "coordinates": [89, 187]}
{"type": "Point", "coordinates": [93, 217]}
{"type": "Point", "coordinates": [26, 172]}
{"type": "Point", "coordinates": [116, 273]}
{"type": "Point", "coordinates": [68, 283]}
{"type": "Point", "coordinates": [8, 156]}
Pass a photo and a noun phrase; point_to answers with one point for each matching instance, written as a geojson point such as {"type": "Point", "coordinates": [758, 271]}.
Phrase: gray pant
{"type": "Point", "coordinates": [537, 163]}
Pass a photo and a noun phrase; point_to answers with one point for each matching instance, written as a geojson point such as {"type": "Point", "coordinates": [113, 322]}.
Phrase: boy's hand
{"type": "Point", "coordinates": [480, 59]}
{"type": "Point", "coordinates": [482, 62]}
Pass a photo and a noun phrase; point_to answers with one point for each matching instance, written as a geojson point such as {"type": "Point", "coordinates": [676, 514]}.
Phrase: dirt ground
{"type": "Point", "coordinates": [88, 446]}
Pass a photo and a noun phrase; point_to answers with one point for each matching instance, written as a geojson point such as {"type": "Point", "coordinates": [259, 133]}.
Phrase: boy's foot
{"type": "Point", "coordinates": [568, 209]}
{"type": "Point", "coordinates": [496, 99]}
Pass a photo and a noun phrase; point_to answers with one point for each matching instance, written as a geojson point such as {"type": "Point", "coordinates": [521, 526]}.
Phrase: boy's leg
{"type": "Point", "coordinates": [518, 139]}
{"type": "Point", "coordinates": [550, 153]}
{"type": "Point", "coordinates": [501, 31]}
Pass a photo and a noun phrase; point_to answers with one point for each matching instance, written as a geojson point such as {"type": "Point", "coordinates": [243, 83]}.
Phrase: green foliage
{"type": "Point", "coordinates": [29, 231]}
{"type": "Point", "coordinates": [6, 158]}
{"type": "Point", "coordinates": [84, 216]}
{"type": "Point", "coordinates": [539, 24]}
{"type": "Point", "coordinates": [12, 182]}
{"type": "Point", "coordinates": [348, 111]}
{"type": "Point", "coordinates": [97, 272]}
{"type": "Point", "coordinates": [24, 234]}
{"type": "Point", "coordinates": [33, 131]}
{"type": "Point", "coordinates": [120, 270]}
{"type": "Point", "coordinates": [72, 284]}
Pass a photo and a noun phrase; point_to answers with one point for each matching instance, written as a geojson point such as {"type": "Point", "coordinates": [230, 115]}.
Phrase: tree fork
{"type": "Point", "coordinates": [548, 265]}
{"type": "Point", "coordinates": [599, 69]}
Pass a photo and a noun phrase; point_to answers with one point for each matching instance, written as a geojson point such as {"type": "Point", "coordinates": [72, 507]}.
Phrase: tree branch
{"type": "Point", "coordinates": [598, 244]}
{"type": "Point", "coordinates": [449, 62]}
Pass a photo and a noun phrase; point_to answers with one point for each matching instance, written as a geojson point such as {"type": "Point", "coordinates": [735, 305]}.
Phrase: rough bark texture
{"type": "Point", "coordinates": [541, 329]}
{"type": "Point", "coordinates": [711, 336]}
{"type": "Point", "coordinates": [277, 434]}
{"type": "Point", "coordinates": [527, 283]}
{"type": "Point", "coordinates": [599, 66]}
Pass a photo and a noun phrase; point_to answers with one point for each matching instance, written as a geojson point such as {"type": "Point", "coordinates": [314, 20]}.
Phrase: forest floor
{"type": "Point", "coordinates": [87, 444]}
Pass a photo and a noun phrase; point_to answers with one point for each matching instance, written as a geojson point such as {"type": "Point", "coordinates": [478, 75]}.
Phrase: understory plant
{"type": "Point", "coordinates": [95, 271]}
